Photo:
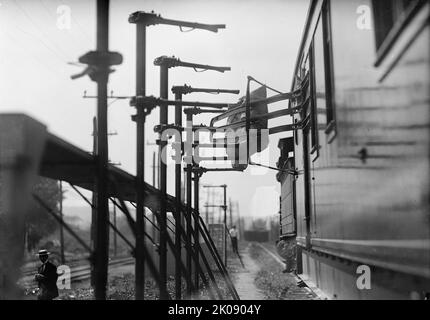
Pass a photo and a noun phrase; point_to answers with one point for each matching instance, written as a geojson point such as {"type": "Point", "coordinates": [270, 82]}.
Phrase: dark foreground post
{"type": "Point", "coordinates": [99, 63]}
{"type": "Point", "coordinates": [102, 224]}
{"type": "Point", "coordinates": [21, 145]}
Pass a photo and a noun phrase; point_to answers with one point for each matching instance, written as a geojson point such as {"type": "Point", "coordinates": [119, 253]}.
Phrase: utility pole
{"type": "Point", "coordinates": [93, 210]}
{"type": "Point", "coordinates": [225, 224]}
{"type": "Point", "coordinates": [115, 244]}
{"type": "Point", "coordinates": [63, 259]}
{"type": "Point", "coordinates": [99, 66]}
{"type": "Point", "coordinates": [239, 220]}
{"type": "Point", "coordinates": [207, 208]}
{"type": "Point", "coordinates": [231, 212]}
{"type": "Point", "coordinates": [102, 236]}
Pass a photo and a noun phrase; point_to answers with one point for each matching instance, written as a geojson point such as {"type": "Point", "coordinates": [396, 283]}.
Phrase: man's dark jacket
{"type": "Point", "coordinates": [48, 284]}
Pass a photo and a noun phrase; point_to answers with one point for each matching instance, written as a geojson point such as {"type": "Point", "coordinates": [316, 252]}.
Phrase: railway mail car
{"type": "Point", "coordinates": [361, 195]}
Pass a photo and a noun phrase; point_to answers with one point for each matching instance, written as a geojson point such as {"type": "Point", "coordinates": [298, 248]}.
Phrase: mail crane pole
{"type": "Point", "coordinates": [143, 20]}
{"type": "Point", "coordinates": [164, 82]}
{"type": "Point", "coordinates": [178, 204]}
{"type": "Point", "coordinates": [179, 91]}
{"type": "Point", "coordinates": [165, 63]}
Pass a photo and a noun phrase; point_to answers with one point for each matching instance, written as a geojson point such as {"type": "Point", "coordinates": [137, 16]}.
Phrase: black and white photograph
{"type": "Point", "coordinates": [220, 156]}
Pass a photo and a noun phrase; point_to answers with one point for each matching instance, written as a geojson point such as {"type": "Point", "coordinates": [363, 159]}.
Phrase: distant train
{"type": "Point", "coordinates": [359, 203]}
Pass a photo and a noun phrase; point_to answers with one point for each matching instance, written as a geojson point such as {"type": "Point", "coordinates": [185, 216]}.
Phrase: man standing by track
{"type": "Point", "coordinates": [46, 278]}
{"type": "Point", "coordinates": [234, 237]}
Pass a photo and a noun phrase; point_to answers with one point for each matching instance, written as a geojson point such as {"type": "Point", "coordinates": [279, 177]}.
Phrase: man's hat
{"type": "Point", "coordinates": [43, 252]}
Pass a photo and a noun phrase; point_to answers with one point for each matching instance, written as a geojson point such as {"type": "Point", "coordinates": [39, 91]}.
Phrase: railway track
{"type": "Point", "coordinates": [78, 272]}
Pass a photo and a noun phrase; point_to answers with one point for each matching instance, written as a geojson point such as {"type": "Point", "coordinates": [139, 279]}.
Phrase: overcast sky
{"type": "Point", "coordinates": [261, 39]}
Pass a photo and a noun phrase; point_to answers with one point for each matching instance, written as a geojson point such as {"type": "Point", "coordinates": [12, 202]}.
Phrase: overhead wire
{"type": "Point", "coordinates": [59, 49]}
{"type": "Point", "coordinates": [76, 22]}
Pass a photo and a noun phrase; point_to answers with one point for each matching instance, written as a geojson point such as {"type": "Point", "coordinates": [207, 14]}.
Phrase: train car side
{"type": "Point", "coordinates": [363, 196]}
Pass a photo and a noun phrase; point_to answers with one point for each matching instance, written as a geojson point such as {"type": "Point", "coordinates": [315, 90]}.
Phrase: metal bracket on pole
{"type": "Point", "coordinates": [151, 18]}
{"type": "Point", "coordinates": [171, 62]}
{"type": "Point", "coordinates": [147, 104]}
{"type": "Point", "coordinates": [196, 110]}
{"type": "Point", "coordinates": [185, 89]}
{"type": "Point", "coordinates": [152, 102]}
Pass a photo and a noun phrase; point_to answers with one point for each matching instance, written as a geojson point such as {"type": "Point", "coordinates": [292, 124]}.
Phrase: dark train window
{"type": "Point", "coordinates": [313, 102]}
{"type": "Point", "coordinates": [389, 13]}
{"type": "Point", "coordinates": [328, 66]}
{"type": "Point", "coordinates": [323, 116]}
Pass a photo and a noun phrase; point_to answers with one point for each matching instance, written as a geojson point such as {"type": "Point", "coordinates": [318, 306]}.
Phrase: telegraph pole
{"type": "Point", "coordinates": [239, 220]}
{"type": "Point", "coordinates": [225, 223]}
{"type": "Point", "coordinates": [231, 212]}
{"type": "Point", "coordinates": [207, 208]}
{"type": "Point", "coordinates": [98, 69]}
{"type": "Point", "coordinates": [102, 236]}
{"type": "Point", "coordinates": [93, 210]}
{"type": "Point", "coordinates": [115, 244]}
{"type": "Point", "coordinates": [63, 259]}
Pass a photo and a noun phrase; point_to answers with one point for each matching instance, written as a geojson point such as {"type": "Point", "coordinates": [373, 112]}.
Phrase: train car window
{"type": "Point", "coordinates": [390, 17]}
{"type": "Point", "coordinates": [305, 69]}
{"type": "Point", "coordinates": [313, 103]}
{"type": "Point", "coordinates": [323, 115]}
{"type": "Point", "coordinates": [297, 82]}
{"type": "Point", "coordinates": [328, 69]}
{"type": "Point", "coordinates": [320, 76]}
